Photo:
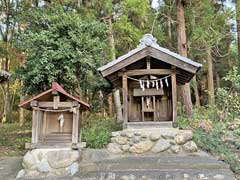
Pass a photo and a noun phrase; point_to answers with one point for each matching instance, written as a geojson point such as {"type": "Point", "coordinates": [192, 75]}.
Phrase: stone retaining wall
{"type": "Point", "coordinates": [152, 140]}
{"type": "Point", "coordinates": [50, 162]}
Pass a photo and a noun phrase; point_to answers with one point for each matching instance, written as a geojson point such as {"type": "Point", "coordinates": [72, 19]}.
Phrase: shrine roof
{"type": "Point", "coordinates": [55, 87]}
{"type": "Point", "coordinates": [148, 41]}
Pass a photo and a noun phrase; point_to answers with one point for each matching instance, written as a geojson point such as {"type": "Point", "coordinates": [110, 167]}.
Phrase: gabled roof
{"type": "Point", "coordinates": [55, 87]}
{"type": "Point", "coordinates": [149, 42]}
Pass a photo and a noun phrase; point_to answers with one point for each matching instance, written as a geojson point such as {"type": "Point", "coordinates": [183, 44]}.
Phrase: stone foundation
{"type": "Point", "coordinates": [50, 162]}
{"type": "Point", "coordinates": [152, 140]}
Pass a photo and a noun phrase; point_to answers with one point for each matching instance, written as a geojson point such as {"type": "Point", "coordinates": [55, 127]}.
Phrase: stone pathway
{"type": "Point", "coordinates": [99, 165]}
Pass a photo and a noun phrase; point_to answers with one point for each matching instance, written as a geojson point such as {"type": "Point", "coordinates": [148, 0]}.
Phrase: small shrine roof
{"type": "Point", "coordinates": [55, 87]}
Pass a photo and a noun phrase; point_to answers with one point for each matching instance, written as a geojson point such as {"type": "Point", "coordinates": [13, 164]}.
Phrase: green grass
{"type": "Point", "coordinates": [13, 139]}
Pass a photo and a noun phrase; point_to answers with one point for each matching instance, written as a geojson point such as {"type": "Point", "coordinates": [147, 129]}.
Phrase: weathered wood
{"type": "Point", "coordinates": [174, 96]}
{"type": "Point", "coordinates": [139, 72]}
{"type": "Point", "coordinates": [34, 126]}
{"type": "Point", "coordinates": [152, 52]}
{"type": "Point", "coordinates": [125, 99]}
{"type": "Point", "coordinates": [171, 60]}
{"type": "Point", "coordinates": [147, 92]}
{"type": "Point", "coordinates": [44, 129]}
{"type": "Point", "coordinates": [80, 125]}
{"type": "Point", "coordinates": [154, 108]}
{"type": "Point", "coordinates": [142, 108]}
{"type": "Point", "coordinates": [148, 63]}
{"type": "Point", "coordinates": [75, 127]}
{"type": "Point", "coordinates": [75, 104]}
{"type": "Point", "coordinates": [135, 57]}
{"type": "Point", "coordinates": [56, 100]}
{"type": "Point", "coordinates": [34, 103]}
{"type": "Point", "coordinates": [55, 92]}
{"type": "Point", "coordinates": [46, 104]}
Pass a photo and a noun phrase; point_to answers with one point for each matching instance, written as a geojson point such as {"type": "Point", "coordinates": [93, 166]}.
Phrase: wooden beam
{"type": "Point", "coordinates": [35, 125]}
{"type": "Point", "coordinates": [148, 63]}
{"type": "Point", "coordinates": [139, 72]}
{"type": "Point", "coordinates": [45, 104]}
{"type": "Point", "coordinates": [44, 129]}
{"type": "Point", "coordinates": [34, 103]}
{"type": "Point", "coordinates": [174, 96]}
{"type": "Point", "coordinates": [75, 127]}
{"type": "Point", "coordinates": [56, 100]}
{"type": "Point", "coordinates": [125, 99]}
{"type": "Point", "coordinates": [130, 60]}
{"type": "Point", "coordinates": [55, 92]}
{"type": "Point", "coordinates": [147, 92]}
{"type": "Point", "coordinates": [171, 60]}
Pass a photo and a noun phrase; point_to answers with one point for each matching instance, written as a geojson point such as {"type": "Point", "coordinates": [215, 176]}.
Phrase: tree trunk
{"type": "Point", "coordinates": [211, 97]}
{"type": "Point", "coordinates": [238, 27]}
{"type": "Point", "coordinates": [218, 81]}
{"type": "Point", "coordinates": [196, 93]}
{"type": "Point", "coordinates": [116, 93]}
{"type": "Point", "coordinates": [118, 106]}
{"type": "Point", "coordinates": [110, 105]}
{"type": "Point", "coordinates": [185, 92]}
{"type": "Point", "coordinates": [21, 112]}
{"type": "Point", "coordinates": [6, 103]}
{"type": "Point", "coordinates": [111, 39]}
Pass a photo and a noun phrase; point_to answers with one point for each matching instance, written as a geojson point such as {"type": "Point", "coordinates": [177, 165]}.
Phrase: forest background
{"type": "Point", "coordinates": [42, 41]}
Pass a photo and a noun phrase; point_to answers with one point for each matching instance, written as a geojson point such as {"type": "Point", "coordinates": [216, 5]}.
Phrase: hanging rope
{"type": "Point", "coordinates": [151, 83]}
{"type": "Point", "coordinates": [56, 110]}
{"type": "Point", "coordinates": [149, 80]}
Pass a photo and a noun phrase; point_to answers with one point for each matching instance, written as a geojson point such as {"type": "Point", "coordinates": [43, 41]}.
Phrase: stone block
{"type": "Point", "coordinates": [141, 147]}
{"type": "Point", "coordinates": [160, 146]}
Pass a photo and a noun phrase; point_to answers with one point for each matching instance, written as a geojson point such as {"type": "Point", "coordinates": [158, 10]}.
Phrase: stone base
{"type": "Point", "coordinates": [50, 162]}
{"type": "Point", "coordinates": [152, 140]}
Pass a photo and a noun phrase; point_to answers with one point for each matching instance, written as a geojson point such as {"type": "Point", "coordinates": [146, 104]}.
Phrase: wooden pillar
{"type": "Point", "coordinates": [75, 126]}
{"type": "Point", "coordinates": [35, 123]}
{"type": "Point", "coordinates": [125, 99]}
{"type": "Point", "coordinates": [80, 125]}
{"type": "Point", "coordinates": [174, 96]}
{"type": "Point", "coordinates": [45, 127]}
{"type": "Point", "coordinates": [56, 99]}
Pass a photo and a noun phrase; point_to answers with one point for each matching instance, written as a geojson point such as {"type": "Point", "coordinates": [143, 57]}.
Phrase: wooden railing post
{"type": "Point", "coordinates": [125, 99]}
{"type": "Point", "coordinates": [174, 96]}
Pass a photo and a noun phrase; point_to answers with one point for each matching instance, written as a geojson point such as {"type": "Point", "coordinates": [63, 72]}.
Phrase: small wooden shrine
{"type": "Point", "coordinates": [148, 76]}
{"type": "Point", "coordinates": [56, 118]}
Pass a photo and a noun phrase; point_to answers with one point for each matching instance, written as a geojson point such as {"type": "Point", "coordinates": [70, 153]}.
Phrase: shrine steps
{"type": "Point", "coordinates": [149, 124]}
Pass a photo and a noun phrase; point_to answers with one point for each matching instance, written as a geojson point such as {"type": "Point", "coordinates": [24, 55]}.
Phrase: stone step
{"type": "Point", "coordinates": [151, 162]}
{"type": "Point", "coordinates": [151, 124]}
{"type": "Point", "coordinates": [174, 167]}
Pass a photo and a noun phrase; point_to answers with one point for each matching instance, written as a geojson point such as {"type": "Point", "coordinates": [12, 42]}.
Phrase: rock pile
{"type": "Point", "coordinates": [50, 162]}
{"type": "Point", "coordinates": [155, 141]}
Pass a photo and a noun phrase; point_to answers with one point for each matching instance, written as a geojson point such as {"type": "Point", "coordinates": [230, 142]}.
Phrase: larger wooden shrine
{"type": "Point", "coordinates": [56, 118]}
{"type": "Point", "coordinates": [148, 76]}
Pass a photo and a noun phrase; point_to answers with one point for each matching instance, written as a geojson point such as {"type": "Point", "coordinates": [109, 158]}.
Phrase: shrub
{"type": "Point", "coordinates": [212, 143]}
{"type": "Point", "coordinates": [96, 131]}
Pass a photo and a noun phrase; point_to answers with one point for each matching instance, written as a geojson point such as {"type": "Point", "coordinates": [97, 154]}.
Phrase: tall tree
{"type": "Point", "coordinates": [182, 49]}
{"type": "Point", "coordinates": [237, 7]}
{"type": "Point", "coordinates": [8, 55]}
{"type": "Point", "coordinates": [63, 48]}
